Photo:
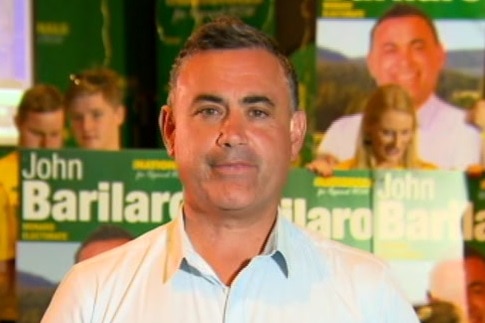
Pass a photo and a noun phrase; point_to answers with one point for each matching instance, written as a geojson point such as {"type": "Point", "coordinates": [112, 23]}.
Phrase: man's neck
{"type": "Point", "coordinates": [421, 104]}
{"type": "Point", "coordinates": [227, 243]}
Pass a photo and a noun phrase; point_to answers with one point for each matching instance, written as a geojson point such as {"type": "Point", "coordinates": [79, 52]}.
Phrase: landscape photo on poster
{"type": "Point", "coordinates": [343, 81]}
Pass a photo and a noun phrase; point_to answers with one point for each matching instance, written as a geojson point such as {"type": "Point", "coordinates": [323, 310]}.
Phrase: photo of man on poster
{"type": "Point", "coordinates": [405, 48]}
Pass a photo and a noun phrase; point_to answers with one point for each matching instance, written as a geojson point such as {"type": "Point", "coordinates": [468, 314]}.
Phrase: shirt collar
{"type": "Point", "coordinates": [175, 230]}
{"type": "Point", "coordinates": [180, 247]}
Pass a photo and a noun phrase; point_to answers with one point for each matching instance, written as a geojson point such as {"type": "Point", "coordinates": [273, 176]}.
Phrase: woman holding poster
{"type": "Point", "coordinates": [387, 135]}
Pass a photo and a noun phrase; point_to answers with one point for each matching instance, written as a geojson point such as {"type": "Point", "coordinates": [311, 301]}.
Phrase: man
{"type": "Point", "coordinates": [40, 118]}
{"type": "Point", "coordinates": [439, 312]}
{"type": "Point", "coordinates": [475, 283]}
{"type": "Point", "coordinates": [405, 49]}
{"type": "Point", "coordinates": [94, 102]}
{"type": "Point", "coordinates": [40, 123]}
{"type": "Point", "coordinates": [8, 237]}
{"type": "Point", "coordinates": [462, 283]}
{"type": "Point", "coordinates": [233, 126]}
{"type": "Point", "coordinates": [447, 283]}
{"type": "Point", "coordinates": [104, 238]}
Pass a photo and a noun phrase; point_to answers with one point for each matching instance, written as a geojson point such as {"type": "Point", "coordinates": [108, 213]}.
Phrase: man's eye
{"type": "Point", "coordinates": [477, 290]}
{"type": "Point", "coordinates": [257, 113]}
{"type": "Point", "coordinates": [208, 111]}
{"type": "Point", "coordinates": [77, 117]}
{"type": "Point", "coordinates": [389, 49]}
{"type": "Point", "coordinates": [419, 45]}
{"type": "Point", "coordinates": [97, 114]}
{"type": "Point", "coordinates": [406, 133]}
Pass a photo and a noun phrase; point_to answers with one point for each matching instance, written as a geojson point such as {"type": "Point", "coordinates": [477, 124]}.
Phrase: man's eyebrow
{"type": "Point", "coordinates": [476, 284]}
{"type": "Point", "coordinates": [419, 41]}
{"type": "Point", "coordinates": [258, 99]}
{"type": "Point", "coordinates": [208, 98]}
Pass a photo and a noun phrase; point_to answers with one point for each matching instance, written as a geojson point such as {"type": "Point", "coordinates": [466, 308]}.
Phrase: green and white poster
{"type": "Point", "coordinates": [343, 43]}
{"type": "Point", "coordinates": [412, 219]}
{"type": "Point", "coordinates": [67, 194]}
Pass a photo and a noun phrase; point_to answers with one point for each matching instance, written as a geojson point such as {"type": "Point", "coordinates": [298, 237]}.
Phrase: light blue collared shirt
{"type": "Point", "coordinates": [159, 277]}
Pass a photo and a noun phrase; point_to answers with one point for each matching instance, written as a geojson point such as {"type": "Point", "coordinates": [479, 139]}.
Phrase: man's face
{"type": "Point", "coordinates": [95, 122]}
{"type": "Point", "coordinates": [232, 131]}
{"type": "Point", "coordinates": [405, 52]}
{"type": "Point", "coordinates": [475, 277]}
{"type": "Point", "coordinates": [41, 129]}
{"type": "Point", "coordinates": [390, 138]}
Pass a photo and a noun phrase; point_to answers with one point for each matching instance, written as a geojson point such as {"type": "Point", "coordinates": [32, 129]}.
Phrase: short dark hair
{"type": "Point", "coordinates": [103, 233]}
{"type": "Point", "coordinates": [102, 80]}
{"type": "Point", "coordinates": [40, 98]}
{"type": "Point", "coordinates": [438, 312]}
{"type": "Point", "coordinates": [402, 10]}
{"type": "Point", "coordinates": [470, 251]}
{"type": "Point", "coordinates": [227, 32]}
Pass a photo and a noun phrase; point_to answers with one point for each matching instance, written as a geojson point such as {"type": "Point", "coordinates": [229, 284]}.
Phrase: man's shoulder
{"type": "Point", "coordinates": [11, 158]}
{"type": "Point", "coordinates": [441, 116]}
{"type": "Point", "coordinates": [340, 138]}
{"type": "Point", "coordinates": [351, 121]}
{"type": "Point", "coordinates": [450, 113]}
{"type": "Point", "coordinates": [334, 254]}
{"type": "Point", "coordinates": [338, 253]}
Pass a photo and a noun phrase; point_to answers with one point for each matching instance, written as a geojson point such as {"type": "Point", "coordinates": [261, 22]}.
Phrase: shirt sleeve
{"type": "Point", "coordinates": [468, 150]}
{"type": "Point", "coordinates": [70, 302]}
{"type": "Point", "coordinates": [392, 304]}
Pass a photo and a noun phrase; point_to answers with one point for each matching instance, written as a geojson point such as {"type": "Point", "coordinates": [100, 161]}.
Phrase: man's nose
{"type": "Point", "coordinates": [51, 142]}
{"type": "Point", "coordinates": [405, 57]}
{"type": "Point", "coordinates": [394, 139]}
{"type": "Point", "coordinates": [44, 141]}
{"type": "Point", "coordinates": [86, 123]}
{"type": "Point", "coordinates": [232, 131]}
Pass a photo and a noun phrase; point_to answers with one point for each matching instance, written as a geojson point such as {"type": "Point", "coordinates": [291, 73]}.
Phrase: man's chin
{"type": "Point", "coordinates": [475, 319]}
{"type": "Point", "coordinates": [91, 145]}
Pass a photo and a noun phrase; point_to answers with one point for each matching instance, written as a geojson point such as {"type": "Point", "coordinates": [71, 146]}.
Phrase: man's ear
{"type": "Point", "coordinates": [167, 128]}
{"type": "Point", "coordinates": [121, 114]}
{"type": "Point", "coordinates": [441, 56]}
{"type": "Point", "coordinates": [17, 121]}
{"type": "Point", "coordinates": [371, 64]}
{"type": "Point", "coordinates": [297, 132]}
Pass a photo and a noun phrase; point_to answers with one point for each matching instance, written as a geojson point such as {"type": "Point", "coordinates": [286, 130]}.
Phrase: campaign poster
{"type": "Point", "coordinates": [412, 219]}
{"type": "Point", "coordinates": [415, 220]}
{"type": "Point", "coordinates": [343, 43]}
{"type": "Point", "coordinates": [67, 194]}
{"type": "Point", "coordinates": [437, 58]}
{"type": "Point", "coordinates": [421, 220]}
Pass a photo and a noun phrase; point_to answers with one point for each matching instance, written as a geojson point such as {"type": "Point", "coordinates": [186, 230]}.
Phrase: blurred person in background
{"type": "Point", "coordinates": [95, 108]}
{"type": "Point", "coordinates": [461, 282]}
{"type": "Point", "coordinates": [405, 49]}
{"type": "Point", "coordinates": [439, 312]}
{"type": "Point", "coordinates": [475, 284]}
{"type": "Point", "coordinates": [387, 135]}
{"type": "Point", "coordinates": [40, 124]}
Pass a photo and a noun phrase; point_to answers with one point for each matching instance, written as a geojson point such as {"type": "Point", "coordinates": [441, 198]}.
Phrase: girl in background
{"type": "Point", "coordinates": [387, 137]}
